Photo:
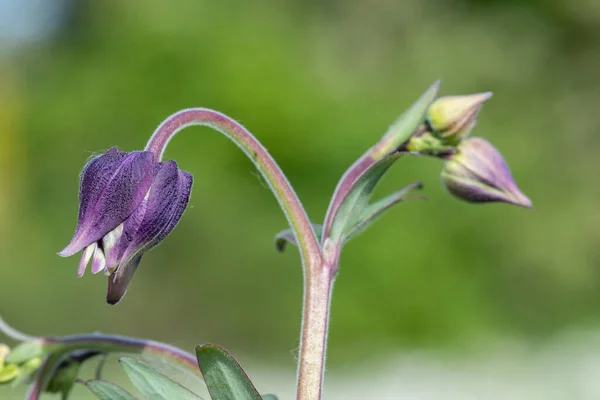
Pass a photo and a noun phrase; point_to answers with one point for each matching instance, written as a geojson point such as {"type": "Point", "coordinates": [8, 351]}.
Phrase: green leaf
{"type": "Point", "coordinates": [27, 370]}
{"type": "Point", "coordinates": [354, 203]}
{"type": "Point", "coordinates": [287, 236]}
{"type": "Point", "coordinates": [375, 210]}
{"type": "Point", "coordinates": [100, 367]}
{"type": "Point", "coordinates": [152, 384]}
{"type": "Point", "coordinates": [26, 351]}
{"type": "Point", "coordinates": [269, 397]}
{"type": "Point", "coordinates": [63, 378]}
{"type": "Point", "coordinates": [44, 374]}
{"type": "Point", "coordinates": [107, 391]}
{"type": "Point", "coordinates": [224, 377]}
{"type": "Point", "coordinates": [401, 130]}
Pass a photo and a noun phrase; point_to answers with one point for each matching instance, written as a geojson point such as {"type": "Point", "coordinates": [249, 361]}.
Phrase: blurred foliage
{"type": "Point", "coordinates": [318, 83]}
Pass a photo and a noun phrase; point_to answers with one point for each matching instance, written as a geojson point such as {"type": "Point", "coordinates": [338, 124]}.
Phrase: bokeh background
{"type": "Point", "coordinates": [439, 300]}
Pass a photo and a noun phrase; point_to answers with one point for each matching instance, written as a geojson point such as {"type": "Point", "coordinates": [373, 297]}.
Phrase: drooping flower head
{"type": "Point", "coordinates": [128, 203]}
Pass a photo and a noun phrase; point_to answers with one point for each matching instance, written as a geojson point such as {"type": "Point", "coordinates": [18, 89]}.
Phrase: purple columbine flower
{"type": "Point", "coordinates": [128, 203]}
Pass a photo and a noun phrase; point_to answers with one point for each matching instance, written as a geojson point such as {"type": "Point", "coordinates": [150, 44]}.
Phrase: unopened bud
{"type": "Point", "coordinates": [453, 117]}
{"type": "Point", "coordinates": [477, 173]}
{"type": "Point", "coordinates": [4, 350]}
{"type": "Point", "coordinates": [8, 372]}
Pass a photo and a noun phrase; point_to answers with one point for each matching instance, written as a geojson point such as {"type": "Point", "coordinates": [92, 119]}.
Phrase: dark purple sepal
{"type": "Point", "coordinates": [112, 186]}
{"type": "Point", "coordinates": [164, 207]}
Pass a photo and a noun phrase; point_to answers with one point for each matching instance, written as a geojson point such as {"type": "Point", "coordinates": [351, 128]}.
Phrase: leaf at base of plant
{"type": "Point", "coordinates": [152, 384]}
{"type": "Point", "coordinates": [224, 377]}
{"type": "Point", "coordinates": [107, 391]}
{"type": "Point", "coordinates": [26, 351]}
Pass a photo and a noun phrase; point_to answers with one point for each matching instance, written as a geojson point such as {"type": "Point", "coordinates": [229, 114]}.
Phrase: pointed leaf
{"type": "Point", "coordinates": [402, 129]}
{"type": "Point", "coordinates": [373, 211]}
{"type": "Point", "coordinates": [63, 378]}
{"type": "Point", "coordinates": [224, 377]}
{"type": "Point", "coordinates": [107, 391]}
{"type": "Point", "coordinates": [26, 351]}
{"type": "Point", "coordinates": [354, 203]}
{"type": "Point", "coordinates": [372, 165]}
{"type": "Point", "coordinates": [152, 384]}
{"type": "Point", "coordinates": [287, 236]}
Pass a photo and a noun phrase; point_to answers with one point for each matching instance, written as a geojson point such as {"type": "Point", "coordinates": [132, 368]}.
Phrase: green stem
{"type": "Point", "coordinates": [60, 347]}
{"type": "Point", "coordinates": [313, 342]}
{"type": "Point", "coordinates": [122, 344]}
{"type": "Point", "coordinates": [283, 191]}
{"type": "Point", "coordinates": [317, 279]}
{"type": "Point", "coordinates": [14, 333]}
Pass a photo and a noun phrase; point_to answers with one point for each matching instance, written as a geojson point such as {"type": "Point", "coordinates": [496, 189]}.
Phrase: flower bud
{"type": "Point", "coordinates": [4, 350]}
{"type": "Point", "coordinates": [428, 144]}
{"type": "Point", "coordinates": [477, 173]}
{"type": "Point", "coordinates": [453, 117]}
{"type": "Point", "coordinates": [8, 372]}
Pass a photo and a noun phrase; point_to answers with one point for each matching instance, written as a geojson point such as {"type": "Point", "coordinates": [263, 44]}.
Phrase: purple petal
{"type": "Point", "coordinates": [130, 227]}
{"type": "Point", "coordinates": [118, 287]}
{"type": "Point", "coordinates": [99, 260]}
{"type": "Point", "coordinates": [110, 243]}
{"type": "Point", "coordinates": [184, 191]}
{"type": "Point", "coordinates": [85, 258]}
{"type": "Point", "coordinates": [128, 230]}
{"type": "Point", "coordinates": [112, 187]}
{"type": "Point", "coordinates": [169, 196]}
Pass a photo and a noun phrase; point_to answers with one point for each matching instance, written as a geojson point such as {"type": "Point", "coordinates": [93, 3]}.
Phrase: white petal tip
{"type": "Point", "coordinates": [99, 261]}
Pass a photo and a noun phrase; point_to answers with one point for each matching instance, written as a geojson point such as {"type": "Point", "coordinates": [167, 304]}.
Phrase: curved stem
{"type": "Point", "coordinates": [14, 333]}
{"type": "Point", "coordinates": [43, 376]}
{"type": "Point", "coordinates": [60, 347]}
{"type": "Point", "coordinates": [121, 344]}
{"type": "Point", "coordinates": [317, 278]}
{"type": "Point", "coordinates": [294, 212]}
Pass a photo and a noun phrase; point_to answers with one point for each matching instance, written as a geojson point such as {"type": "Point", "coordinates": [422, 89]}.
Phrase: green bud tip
{"type": "Point", "coordinates": [8, 372]}
{"type": "Point", "coordinates": [477, 173]}
{"type": "Point", "coordinates": [4, 350]}
{"type": "Point", "coordinates": [453, 117]}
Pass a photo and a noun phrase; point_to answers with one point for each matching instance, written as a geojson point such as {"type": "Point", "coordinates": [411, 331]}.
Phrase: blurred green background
{"type": "Point", "coordinates": [318, 82]}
